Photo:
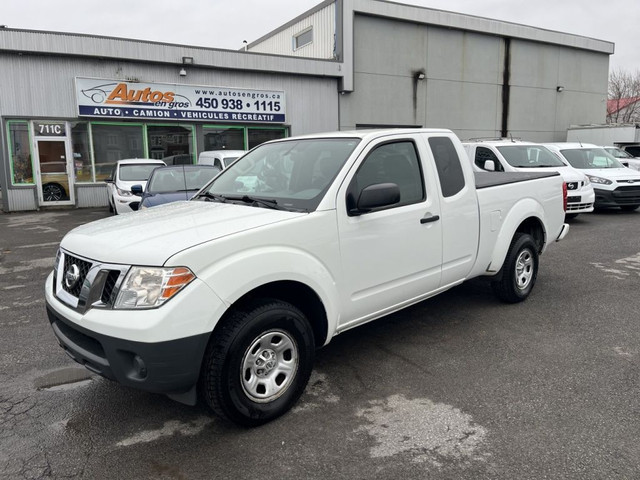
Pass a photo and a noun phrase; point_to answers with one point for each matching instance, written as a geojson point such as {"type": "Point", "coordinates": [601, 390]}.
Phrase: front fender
{"type": "Point", "coordinates": [236, 275]}
{"type": "Point", "coordinates": [523, 210]}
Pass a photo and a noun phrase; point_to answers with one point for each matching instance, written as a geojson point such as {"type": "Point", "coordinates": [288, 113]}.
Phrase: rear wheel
{"type": "Point", "coordinates": [629, 208]}
{"type": "Point", "coordinates": [258, 362]}
{"type": "Point", "coordinates": [569, 216]}
{"type": "Point", "coordinates": [519, 271]}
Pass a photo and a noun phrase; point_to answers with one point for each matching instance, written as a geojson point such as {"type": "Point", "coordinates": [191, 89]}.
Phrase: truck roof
{"type": "Point", "coordinates": [369, 133]}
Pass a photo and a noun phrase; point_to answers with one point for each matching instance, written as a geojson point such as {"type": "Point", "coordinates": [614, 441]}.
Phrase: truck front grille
{"type": "Point", "coordinates": [82, 283]}
{"type": "Point", "coordinates": [627, 195]}
{"type": "Point", "coordinates": [73, 274]}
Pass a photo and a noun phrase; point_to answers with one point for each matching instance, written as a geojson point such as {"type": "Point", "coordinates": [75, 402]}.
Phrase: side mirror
{"type": "Point", "coordinates": [489, 165]}
{"type": "Point", "coordinates": [376, 196]}
{"type": "Point", "coordinates": [136, 190]}
{"type": "Point", "coordinates": [108, 180]}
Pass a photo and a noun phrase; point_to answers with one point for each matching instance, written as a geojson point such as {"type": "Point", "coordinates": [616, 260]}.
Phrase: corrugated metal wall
{"type": "Point", "coordinates": [91, 196]}
{"type": "Point", "coordinates": [463, 84]}
{"type": "Point", "coordinates": [21, 199]}
{"type": "Point", "coordinates": [323, 23]}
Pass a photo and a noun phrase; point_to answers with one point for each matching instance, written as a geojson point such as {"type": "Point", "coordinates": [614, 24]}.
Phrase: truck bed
{"type": "Point", "coordinates": [492, 179]}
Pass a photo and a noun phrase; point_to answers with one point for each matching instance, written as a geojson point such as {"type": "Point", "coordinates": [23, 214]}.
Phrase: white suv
{"type": "Point", "coordinates": [126, 174]}
{"type": "Point", "coordinates": [505, 155]}
{"type": "Point", "coordinates": [615, 185]}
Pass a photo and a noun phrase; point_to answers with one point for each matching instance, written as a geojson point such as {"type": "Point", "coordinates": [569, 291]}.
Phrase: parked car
{"type": "Point", "coordinates": [506, 155]}
{"type": "Point", "coordinates": [614, 184]}
{"type": "Point", "coordinates": [174, 183]}
{"type": "Point", "coordinates": [633, 149]}
{"type": "Point", "coordinates": [219, 158]}
{"type": "Point", "coordinates": [230, 294]}
{"type": "Point", "coordinates": [124, 175]}
{"type": "Point", "coordinates": [624, 157]}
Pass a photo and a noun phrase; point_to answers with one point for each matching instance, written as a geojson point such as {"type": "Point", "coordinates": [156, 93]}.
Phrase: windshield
{"type": "Point", "coordinates": [587, 158]}
{"type": "Point", "coordinates": [295, 174]}
{"type": "Point", "coordinates": [133, 172]}
{"type": "Point", "coordinates": [529, 156]}
{"type": "Point", "coordinates": [166, 180]}
{"type": "Point", "coordinates": [616, 152]}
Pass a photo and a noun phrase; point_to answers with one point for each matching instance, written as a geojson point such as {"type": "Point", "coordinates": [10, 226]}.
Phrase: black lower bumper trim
{"type": "Point", "coordinates": [162, 367]}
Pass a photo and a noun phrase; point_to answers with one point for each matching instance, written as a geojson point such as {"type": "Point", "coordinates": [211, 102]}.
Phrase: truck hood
{"type": "Point", "coordinates": [150, 237]}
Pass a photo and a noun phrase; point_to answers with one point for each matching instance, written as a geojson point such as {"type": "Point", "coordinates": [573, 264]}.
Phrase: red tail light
{"type": "Point", "coordinates": [564, 196]}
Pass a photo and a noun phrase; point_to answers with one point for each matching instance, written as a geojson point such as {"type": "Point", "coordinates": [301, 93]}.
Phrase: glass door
{"type": "Point", "coordinates": [55, 185]}
{"type": "Point", "coordinates": [55, 172]}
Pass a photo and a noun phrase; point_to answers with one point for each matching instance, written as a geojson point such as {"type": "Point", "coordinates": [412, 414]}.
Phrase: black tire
{"type": "Point", "coordinates": [629, 208]}
{"type": "Point", "coordinates": [111, 209]}
{"type": "Point", "coordinates": [570, 216]}
{"type": "Point", "coordinates": [258, 362]}
{"type": "Point", "coordinates": [53, 192]}
{"type": "Point", "coordinates": [519, 272]}
{"type": "Point", "coordinates": [112, 206]}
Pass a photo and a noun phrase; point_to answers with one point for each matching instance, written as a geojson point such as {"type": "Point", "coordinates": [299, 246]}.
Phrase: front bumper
{"type": "Point", "coordinates": [170, 367]}
{"type": "Point", "coordinates": [619, 197]}
{"type": "Point", "coordinates": [158, 350]}
{"type": "Point", "coordinates": [580, 201]}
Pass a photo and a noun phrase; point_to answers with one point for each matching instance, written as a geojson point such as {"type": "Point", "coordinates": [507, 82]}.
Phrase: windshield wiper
{"type": "Point", "coordinates": [213, 197]}
{"type": "Point", "coordinates": [269, 203]}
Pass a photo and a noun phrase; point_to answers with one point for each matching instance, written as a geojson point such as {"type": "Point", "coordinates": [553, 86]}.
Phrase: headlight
{"type": "Point", "coordinates": [149, 287]}
{"type": "Point", "coordinates": [586, 180]}
{"type": "Point", "coordinates": [599, 180]}
{"type": "Point", "coordinates": [124, 193]}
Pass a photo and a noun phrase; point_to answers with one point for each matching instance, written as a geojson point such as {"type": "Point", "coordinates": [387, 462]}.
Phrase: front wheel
{"type": "Point", "coordinates": [258, 362]}
{"type": "Point", "coordinates": [519, 271]}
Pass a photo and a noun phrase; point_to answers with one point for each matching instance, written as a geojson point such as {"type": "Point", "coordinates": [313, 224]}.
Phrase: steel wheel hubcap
{"type": "Point", "coordinates": [269, 366]}
{"type": "Point", "coordinates": [524, 269]}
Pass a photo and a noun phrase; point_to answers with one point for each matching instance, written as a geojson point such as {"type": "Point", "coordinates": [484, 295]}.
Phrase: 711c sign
{"type": "Point", "coordinates": [49, 129]}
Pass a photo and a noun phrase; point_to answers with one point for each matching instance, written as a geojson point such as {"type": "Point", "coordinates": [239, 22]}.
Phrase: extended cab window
{"type": "Point", "coordinates": [483, 154]}
{"type": "Point", "coordinates": [395, 162]}
{"type": "Point", "coordinates": [448, 165]}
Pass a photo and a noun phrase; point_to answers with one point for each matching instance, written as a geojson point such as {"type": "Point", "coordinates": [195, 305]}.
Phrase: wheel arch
{"type": "Point", "coordinates": [532, 225]}
{"type": "Point", "coordinates": [297, 294]}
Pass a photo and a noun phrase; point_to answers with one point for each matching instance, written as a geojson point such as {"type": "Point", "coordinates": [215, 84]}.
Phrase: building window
{"type": "Point", "coordinates": [20, 153]}
{"type": "Point", "coordinates": [113, 142]}
{"type": "Point", "coordinates": [303, 38]}
{"type": "Point", "coordinates": [171, 143]}
{"type": "Point", "coordinates": [256, 136]}
{"type": "Point", "coordinates": [81, 157]}
{"type": "Point", "coordinates": [223, 138]}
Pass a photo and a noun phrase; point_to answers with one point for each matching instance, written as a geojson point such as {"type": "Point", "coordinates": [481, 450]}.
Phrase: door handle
{"type": "Point", "coordinates": [432, 218]}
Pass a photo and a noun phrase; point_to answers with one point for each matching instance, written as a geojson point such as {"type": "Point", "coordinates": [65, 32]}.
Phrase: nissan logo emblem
{"type": "Point", "coordinates": [71, 276]}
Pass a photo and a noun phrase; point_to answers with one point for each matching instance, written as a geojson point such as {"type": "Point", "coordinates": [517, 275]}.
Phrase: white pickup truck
{"type": "Point", "coordinates": [229, 294]}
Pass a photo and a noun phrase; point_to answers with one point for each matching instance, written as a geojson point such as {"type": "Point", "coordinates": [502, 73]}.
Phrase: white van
{"type": "Point", "coordinates": [219, 158]}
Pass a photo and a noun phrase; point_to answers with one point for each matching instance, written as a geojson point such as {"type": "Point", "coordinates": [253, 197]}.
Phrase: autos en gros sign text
{"type": "Point", "coordinates": [118, 99]}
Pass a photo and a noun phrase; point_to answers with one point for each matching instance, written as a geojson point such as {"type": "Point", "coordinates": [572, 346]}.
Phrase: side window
{"type": "Point", "coordinates": [217, 164]}
{"type": "Point", "coordinates": [390, 163]}
{"type": "Point", "coordinates": [483, 154]}
{"type": "Point", "coordinates": [448, 165]}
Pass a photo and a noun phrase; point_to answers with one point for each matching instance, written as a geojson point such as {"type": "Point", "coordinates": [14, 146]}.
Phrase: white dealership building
{"type": "Point", "coordinates": [71, 105]}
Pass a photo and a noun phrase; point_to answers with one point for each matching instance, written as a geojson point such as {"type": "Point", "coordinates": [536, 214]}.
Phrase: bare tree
{"type": "Point", "coordinates": [624, 97]}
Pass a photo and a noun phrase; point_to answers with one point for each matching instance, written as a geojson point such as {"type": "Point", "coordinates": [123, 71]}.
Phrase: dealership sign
{"type": "Point", "coordinates": [119, 99]}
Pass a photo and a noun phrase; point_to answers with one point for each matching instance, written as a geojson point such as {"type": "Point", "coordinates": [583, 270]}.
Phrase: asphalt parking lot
{"type": "Point", "coordinates": [457, 387]}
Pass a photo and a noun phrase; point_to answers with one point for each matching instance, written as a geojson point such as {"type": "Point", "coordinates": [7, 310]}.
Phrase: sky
{"type": "Point", "coordinates": [227, 23]}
